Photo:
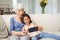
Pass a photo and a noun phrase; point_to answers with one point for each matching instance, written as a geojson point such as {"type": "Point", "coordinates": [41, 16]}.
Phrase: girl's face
{"type": "Point", "coordinates": [20, 11]}
{"type": "Point", "coordinates": [26, 20]}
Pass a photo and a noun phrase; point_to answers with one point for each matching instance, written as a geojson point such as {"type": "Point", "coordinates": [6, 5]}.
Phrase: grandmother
{"type": "Point", "coordinates": [16, 24]}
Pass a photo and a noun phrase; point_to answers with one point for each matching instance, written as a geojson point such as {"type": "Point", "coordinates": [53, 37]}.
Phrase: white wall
{"type": "Point", "coordinates": [25, 4]}
{"type": "Point", "coordinates": [29, 6]}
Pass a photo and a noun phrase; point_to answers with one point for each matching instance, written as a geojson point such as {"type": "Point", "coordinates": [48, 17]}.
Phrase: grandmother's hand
{"type": "Point", "coordinates": [23, 33]}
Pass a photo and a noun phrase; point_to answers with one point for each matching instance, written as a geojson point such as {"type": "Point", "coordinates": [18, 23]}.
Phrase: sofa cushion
{"type": "Point", "coordinates": [47, 39]}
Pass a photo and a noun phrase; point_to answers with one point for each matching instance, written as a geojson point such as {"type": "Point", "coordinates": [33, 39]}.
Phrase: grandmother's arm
{"type": "Point", "coordinates": [12, 31]}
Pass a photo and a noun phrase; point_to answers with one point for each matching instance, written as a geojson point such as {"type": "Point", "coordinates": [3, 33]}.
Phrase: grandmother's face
{"type": "Point", "coordinates": [20, 11]}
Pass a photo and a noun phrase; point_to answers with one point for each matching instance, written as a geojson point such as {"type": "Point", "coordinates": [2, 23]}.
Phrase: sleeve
{"type": "Point", "coordinates": [11, 24]}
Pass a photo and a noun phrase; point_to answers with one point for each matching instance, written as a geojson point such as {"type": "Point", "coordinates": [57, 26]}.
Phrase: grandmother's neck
{"type": "Point", "coordinates": [19, 15]}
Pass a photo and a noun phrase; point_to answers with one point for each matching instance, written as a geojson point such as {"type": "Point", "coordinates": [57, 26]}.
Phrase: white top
{"type": "Point", "coordinates": [32, 33]}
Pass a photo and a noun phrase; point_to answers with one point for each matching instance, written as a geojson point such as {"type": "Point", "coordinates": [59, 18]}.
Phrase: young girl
{"type": "Point", "coordinates": [37, 34]}
{"type": "Point", "coordinates": [28, 24]}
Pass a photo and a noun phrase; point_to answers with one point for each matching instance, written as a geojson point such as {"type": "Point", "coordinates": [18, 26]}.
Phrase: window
{"type": "Point", "coordinates": [14, 2]}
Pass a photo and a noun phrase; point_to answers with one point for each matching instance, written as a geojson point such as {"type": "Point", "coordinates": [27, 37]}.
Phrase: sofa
{"type": "Point", "coordinates": [50, 23]}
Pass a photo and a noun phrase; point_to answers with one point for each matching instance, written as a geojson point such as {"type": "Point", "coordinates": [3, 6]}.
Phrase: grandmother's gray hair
{"type": "Point", "coordinates": [18, 6]}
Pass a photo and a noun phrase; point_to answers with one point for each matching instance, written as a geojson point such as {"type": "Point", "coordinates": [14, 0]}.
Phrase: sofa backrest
{"type": "Point", "coordinates": [50, 22]}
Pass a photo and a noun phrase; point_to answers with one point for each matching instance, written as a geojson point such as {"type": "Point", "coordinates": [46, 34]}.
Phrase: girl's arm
{"type": "Point", "coordinates": [40, 28]}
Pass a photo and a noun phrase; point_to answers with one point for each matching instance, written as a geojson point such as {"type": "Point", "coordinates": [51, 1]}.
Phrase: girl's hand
{"type": "Point", "coordinates": [40, 28]}
{"type": "Point", "coordinates": [24, 31]}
